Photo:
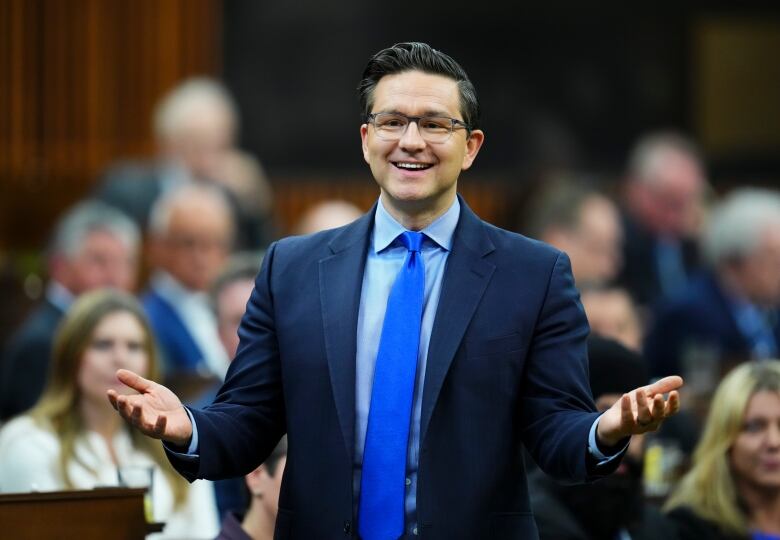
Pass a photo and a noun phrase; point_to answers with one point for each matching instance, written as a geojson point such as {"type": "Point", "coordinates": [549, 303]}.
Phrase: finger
{"type": "Point", "coordinates": [112, 399]}
{"type": "Point", "coordinates": [159, 425]}
{"type": "Point", "coordinates": [657, 409]}
{"type": "Point", "coordinates": [626, 411]}
{"type": "Point", "coordinates": [672, 404]}
{"type": "Point", "coordinates": [133, 380]}
{"type": "Point", "coordinates": [662, 386]}
{"type": "Point", "coordinates": [643, 414]}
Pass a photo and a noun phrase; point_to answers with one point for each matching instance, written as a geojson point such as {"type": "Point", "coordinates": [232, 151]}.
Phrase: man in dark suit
{"type": "Point", "coordinates": [500, 361]}
{"type": "Point", "coordinates": [93, 246]}
{"type": "Point", "coordinates": [664, 193]}
{"type": "Point", "coordinates": [731, 313]}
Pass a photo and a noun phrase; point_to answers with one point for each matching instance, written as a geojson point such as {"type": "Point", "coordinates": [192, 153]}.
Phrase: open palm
{"type": "Point", "coordinates": [154, 410]}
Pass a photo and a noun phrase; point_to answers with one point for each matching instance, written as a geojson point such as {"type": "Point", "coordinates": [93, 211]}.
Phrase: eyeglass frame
{"type": "Point", "coordinates": [371, 119]}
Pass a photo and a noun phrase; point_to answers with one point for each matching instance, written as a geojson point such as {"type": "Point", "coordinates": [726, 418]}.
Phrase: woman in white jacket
{"type": "Point", "coordinates": [73, 439]}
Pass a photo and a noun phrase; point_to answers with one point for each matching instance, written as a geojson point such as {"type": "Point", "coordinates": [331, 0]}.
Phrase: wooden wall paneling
{"type": "Point", "coordinates": [80, 80]}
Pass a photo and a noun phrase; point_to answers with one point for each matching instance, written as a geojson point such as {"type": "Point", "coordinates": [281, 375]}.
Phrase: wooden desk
{"type": "Point", "coordinates": [116, 513]}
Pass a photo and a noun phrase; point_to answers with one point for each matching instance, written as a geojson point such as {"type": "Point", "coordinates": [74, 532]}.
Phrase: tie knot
{"type": "Point", "coordinates": [412, 240]}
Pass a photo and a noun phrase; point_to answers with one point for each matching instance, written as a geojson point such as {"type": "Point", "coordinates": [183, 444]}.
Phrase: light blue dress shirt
{"type": "Point", "coordinates": [383, 262]}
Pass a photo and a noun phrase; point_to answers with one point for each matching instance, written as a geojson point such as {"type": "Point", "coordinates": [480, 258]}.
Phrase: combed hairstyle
{"type": "Point", "coordinates": [417, 56]}
{"type": "Point", "coordinates": [193, 96]}
{"type": "Point", "coordinates": [163, 206]}
{"type": "Point", "coordinates": [240, 267]}
{"type": "Point", "coordinates": [650, 151]}
{"type": "Point", "coordinates": [737, 224]}
{"type": "Point", "coordinates": [88, 217]}
{"type": "Point", "coordinates": [58, 407]}
{"type": "Point", "coordinates": [708, 489]}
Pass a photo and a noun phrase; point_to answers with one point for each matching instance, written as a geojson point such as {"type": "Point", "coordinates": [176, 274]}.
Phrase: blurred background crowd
{"type": "Point", "coordinates": [151, 151]}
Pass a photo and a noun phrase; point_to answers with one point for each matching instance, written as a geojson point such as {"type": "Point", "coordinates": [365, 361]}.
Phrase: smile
{"type": "Point", "coordinates": [412, 166]}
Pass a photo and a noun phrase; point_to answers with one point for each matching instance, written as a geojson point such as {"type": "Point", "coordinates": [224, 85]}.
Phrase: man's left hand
{"type": "Point", "coordinates": [640, 411]}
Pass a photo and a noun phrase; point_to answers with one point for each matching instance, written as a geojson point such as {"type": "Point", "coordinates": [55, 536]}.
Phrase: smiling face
{"type": "Point", "coordinates": [755, 454]}
{"type": "Point", "coordinates": [417, 179]}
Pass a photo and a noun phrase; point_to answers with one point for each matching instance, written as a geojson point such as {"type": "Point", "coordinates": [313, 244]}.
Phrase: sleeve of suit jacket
{"type": "Point", "coordinates": [240, 437]}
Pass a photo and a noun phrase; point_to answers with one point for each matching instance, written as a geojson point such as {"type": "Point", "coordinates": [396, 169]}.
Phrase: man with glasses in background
{"type": "Point", "coordinates": [409, 355]}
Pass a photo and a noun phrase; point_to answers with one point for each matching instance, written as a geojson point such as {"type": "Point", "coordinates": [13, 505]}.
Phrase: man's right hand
{"type": "Point", "coordinates": [154, 410]}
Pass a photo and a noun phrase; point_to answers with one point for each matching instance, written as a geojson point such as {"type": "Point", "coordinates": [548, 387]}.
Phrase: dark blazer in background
{"type": "Point", "coordinates": [700, 319]}
{"type": "Point", "coordinates": [639, 274]}
{"type": "Point", "coordinates": [506, 366]}
{"type": "Point", "coordinates": [26, 360]}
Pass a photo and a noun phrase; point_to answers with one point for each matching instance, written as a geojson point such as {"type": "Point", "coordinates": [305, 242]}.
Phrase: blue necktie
{"type": "Point", "coordinates": [381, 514]}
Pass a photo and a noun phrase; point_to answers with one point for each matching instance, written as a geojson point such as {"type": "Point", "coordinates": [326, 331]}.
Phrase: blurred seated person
{"type": "Point", "coordinates": [730, 313]}
{"type": "Point", "coordinates": [72, 439]}
{"type": "Point", "coordinates": [264, 484]}
{"type": "Point", "coordinates": [196, 127]}
{"type": "Point", "coordinates": [612, 314]}
{"type": "Point", "coordinates": [93, 246]}
{"type": "Point", "coordinates": [249, 187]}
{"type": "Point", "coordinates": [663, 204]}
{"type": "Point", "coordinates": [328, 214]}
{"type": "Point", "coordinates": [732, 492]}
{"type": "Point", "coordinates": [612, 508]}
{"type": "Point", "coordinates": [586, 225]}
{"type": "Point", "coordinates": [191, 234]}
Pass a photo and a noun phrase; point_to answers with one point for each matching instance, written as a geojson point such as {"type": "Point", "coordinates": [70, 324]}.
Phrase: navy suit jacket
{"type": "Point", "coordinates": [700, 319]}
{"type": "Point", "coordinates": [507, 366]}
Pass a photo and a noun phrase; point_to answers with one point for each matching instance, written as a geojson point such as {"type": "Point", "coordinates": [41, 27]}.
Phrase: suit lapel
{"type": "Point", "coordinates": [465, 279]}
{"type": "Point", "coordinates": [340, 280]}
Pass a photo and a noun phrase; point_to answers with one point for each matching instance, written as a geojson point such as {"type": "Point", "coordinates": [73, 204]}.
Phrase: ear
{"type": "Point", "coordinates": [364, 141]}
{"type": "Point", "coordinates": [254, 481]}
{"type": "Point", "coordinates": [473, 144]}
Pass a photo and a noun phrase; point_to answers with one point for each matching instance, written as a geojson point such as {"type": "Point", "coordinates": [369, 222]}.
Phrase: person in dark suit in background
{"type": "Point", "coordinates": [664, 196]}
{"type": "Point", "coordinates": [731, 313]}
{"type": "Point", "coordinates": [93, 245]}
{"type": "Point", "coordinates": [409, 355]}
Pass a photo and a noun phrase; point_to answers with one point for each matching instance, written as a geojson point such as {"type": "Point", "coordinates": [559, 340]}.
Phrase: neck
{"type": "Point", "coordinates": [258, 522]}
{"type": "Point", "coordinates": [100, 419]}
{"type": "Point", "coordinates": [415, 215]}
{"type": "Point", "coordinates": [764, 505]}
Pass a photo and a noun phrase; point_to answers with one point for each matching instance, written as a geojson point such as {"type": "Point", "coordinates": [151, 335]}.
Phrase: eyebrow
{"type": "Point", "coordinates": [429, 112]}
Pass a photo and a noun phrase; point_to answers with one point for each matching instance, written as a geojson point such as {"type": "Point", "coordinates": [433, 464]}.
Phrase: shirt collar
{"type": "Point", "coordinates": [441, 231]}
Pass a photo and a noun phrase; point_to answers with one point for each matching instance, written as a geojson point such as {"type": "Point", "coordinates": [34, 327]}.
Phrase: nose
{"type": "Point", "coordinates": [412, 140]}
{"type": "Point", "coordinates": [773, 436]}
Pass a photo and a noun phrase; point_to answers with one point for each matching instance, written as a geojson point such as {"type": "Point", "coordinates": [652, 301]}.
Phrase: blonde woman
{"type": "Point", "coordinates": [733, 488]}
{"type": "Point", "coordinates": [73, 439]}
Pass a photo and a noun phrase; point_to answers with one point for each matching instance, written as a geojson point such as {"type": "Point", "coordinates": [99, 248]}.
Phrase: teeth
{"type": "Point", "coordinates": [412, 165]}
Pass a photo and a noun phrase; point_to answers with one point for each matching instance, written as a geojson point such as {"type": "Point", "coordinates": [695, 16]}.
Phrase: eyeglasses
{"type": "Point", "coordinates": [433, 129]}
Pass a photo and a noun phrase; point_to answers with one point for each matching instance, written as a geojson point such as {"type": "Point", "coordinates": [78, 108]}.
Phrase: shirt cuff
{"type": "Point", "coordinates": [593, 447]}
{"type": "Point", "coordinates": [192, 449]}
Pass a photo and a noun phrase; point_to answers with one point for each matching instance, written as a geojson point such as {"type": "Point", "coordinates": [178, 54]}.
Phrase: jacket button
{"type": "Point", "coordinates": [347, 527]}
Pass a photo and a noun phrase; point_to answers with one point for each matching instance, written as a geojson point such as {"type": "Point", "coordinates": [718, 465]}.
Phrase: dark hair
{"type": "Point", "coordinates": [421, 57]}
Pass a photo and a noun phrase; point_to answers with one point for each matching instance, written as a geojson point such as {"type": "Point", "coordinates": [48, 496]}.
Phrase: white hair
{"type": "Point", "coordinates": [736, 225]}
{"type": "Point", "coordinates": [650, 153]}
{"type": "Point", "coordinates": [192, 97]}
{"type": "Point", "coordinates": [160, 213]}
{"type": "Point", "coordinates": [88, 217]}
